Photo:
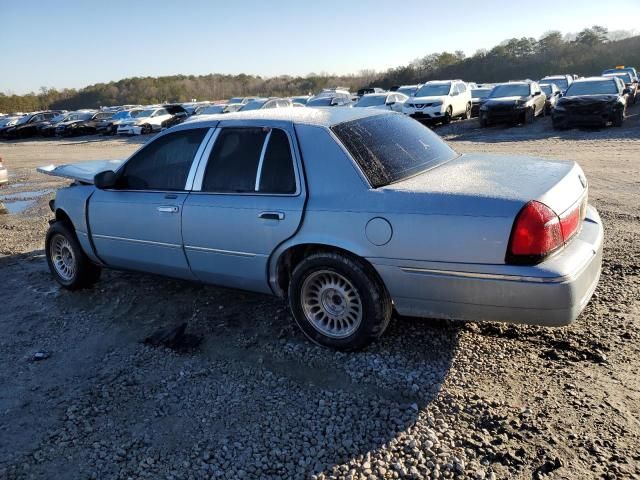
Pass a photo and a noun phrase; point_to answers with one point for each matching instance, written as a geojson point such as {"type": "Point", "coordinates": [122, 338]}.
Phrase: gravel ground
{"type": "Point", "coordinates": [83, 396]}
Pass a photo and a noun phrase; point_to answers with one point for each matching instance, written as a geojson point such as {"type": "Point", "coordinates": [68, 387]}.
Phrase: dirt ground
{"type": "Point", "coordinates": [81, 396]}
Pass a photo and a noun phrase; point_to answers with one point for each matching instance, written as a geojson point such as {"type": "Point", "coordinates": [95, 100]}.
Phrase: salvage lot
{"type": "Point", "coordinates": [255, 399]}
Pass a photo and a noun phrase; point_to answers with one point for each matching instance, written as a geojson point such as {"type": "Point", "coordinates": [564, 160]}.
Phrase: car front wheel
{"type": "Point", "coordinates": [338, 302]}
{"type": "Point", "coordinates": [68, 263]}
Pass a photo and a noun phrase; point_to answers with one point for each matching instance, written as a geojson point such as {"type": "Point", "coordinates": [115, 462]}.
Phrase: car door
{"type": "Point", "coordinates": [137, 224]}
{"type": "Point", "coordinates": [248, 198]}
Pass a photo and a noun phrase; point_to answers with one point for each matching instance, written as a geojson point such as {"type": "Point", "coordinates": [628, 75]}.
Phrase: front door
{"type": "Point", "coordinates": [137, 225]}
{"type": "Point", "coordinates": [247, 199]}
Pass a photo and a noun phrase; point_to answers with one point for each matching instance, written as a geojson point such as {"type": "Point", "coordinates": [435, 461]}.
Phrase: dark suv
{"type": "Point", "coordinates": [513, 102]}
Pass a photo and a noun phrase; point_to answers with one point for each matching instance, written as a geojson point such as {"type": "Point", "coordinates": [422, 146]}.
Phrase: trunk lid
{"type": "Point", "coordinates": [495, 185]}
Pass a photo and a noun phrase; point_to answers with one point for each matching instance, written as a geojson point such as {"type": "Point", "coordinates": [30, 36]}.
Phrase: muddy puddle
{"type": "Point", "coordinates": [18, 202]}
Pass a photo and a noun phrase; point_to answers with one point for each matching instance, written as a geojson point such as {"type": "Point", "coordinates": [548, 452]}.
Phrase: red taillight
{"type": "Point", "coordinates": [538, 232]}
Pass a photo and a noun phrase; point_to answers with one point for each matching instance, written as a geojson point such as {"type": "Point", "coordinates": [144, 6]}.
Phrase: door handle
{"type": "Point", "coordinates": [271, 215]}
{"type": "Point", "coordinates": [168, 209]}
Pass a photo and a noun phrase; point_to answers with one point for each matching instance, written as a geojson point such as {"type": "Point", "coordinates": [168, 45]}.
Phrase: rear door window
{"type": "Point", "coordinates": [233, 163]}
{"type": "Point", "coordinates": [277, 175]}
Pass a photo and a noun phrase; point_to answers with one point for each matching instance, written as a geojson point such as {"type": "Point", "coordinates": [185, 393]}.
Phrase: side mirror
{"type": "Point", "coordinates": [536, 94]}
{"type": "Point", "coordinates": [626, 91]}
{"type": "Point", "coordinates": [106, 179]}
{"type": "Point", "coordinates": [391, 103]}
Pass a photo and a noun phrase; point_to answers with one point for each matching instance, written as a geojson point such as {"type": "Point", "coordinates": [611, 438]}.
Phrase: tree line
{"type": "Point", "coordinates": [586, 53]}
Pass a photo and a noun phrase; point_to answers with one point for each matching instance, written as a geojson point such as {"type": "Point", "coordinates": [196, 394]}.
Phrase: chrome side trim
{"type": "Point", "coordinates": [261, 161]}
{"type": "Point", "coordinates": [134, 240]}
{"type": "Point", "coordinates": [198, 159]}
{"type": "Point", "coordinates": [486, 276]}
{"type": "Point", "coordinates": [223, 252]}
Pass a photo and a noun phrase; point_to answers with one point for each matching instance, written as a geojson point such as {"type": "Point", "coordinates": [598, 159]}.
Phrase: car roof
{"type": "Point", "coordinates": [326, 117]}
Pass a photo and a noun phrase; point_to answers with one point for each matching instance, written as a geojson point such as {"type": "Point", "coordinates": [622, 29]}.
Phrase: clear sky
{"type": "Point", "coordinates": [74, 43]}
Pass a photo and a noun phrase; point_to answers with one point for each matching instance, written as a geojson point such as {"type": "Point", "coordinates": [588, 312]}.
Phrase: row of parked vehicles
{"type": "Point", "coordinates": [568, 99]}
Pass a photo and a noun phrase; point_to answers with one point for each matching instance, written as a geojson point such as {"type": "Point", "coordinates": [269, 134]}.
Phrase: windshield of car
{"type": "Point", "coordinates": [320, 102]}
{"type": "Point", "coordinates": [480, 92]}
{"type": "Point", "coordinates": [236, 100]}
{"type": "Point", "coordinates": [120, 115]}
{"type": "Point", "coordinates": [6, 121]}
{"type": "Point", "coordinates": [547, 89]}
{"type": "Point", "coordinates": [625, 77]}
{"type": "Point", "coordinates": [408, 91]}
{"type": "Point", "coordinates": [561, 82]}
{"type": "Point", "coordinates": [371, 101]}
{"type": "Point", "coordinates": [510, 90]}
{"type": "Point", "coordinates": [143, 113]}
{"type": "Point", "coordinates": [433, 90]}
{"type": "Point", "coordinates": [59, 118]}
{"type": "Point", "coordinates": [212, 109]}
{"type": "Point", "coordinates": [390, 148]}
{"type": "Point", "coordinates": [255, 105]}
{"type": "Point", "coordinates": [24, 119]}
{"type": "Point", "coordinates": [629, 70]}
{"type": "Point", "coordinates": [595, 87]}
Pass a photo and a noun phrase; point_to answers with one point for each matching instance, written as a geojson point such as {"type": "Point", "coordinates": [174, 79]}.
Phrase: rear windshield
{"type": "Point", "coordinates": [561, 83]}
{"type": "Point", "coordinates": [596, 87]}
{"type": "Point", "coordinates": [390, 148]}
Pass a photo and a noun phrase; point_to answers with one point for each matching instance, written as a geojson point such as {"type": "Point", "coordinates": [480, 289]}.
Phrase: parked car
{"type": "Point", "coordinates": [4, 175]}
{"type": "Point", "coordinates": [408, 90]}
{"type": "Point", "coordinates": [561, 81]}
{"type": "Point", "coordinates": [630, 82]}
{"type": "Point", "coordinates": [146, 121]}
{"type": "Point", "coordinates": [109, 126]}
{"type": "Point", "coordinates": [386, 101]}
{"type": "Point", "coordinates": [303, 99]}
{"type": "Point", "coordinates": [48, 129]}
{"type": "Point", "coordinates": [27, 126]}
{"type": "Point", "coordinates": [513, 102]}
{"type": "Point", "coordinates": [331, 98]}
{"type": "Point", "coordinates": [394, 219]}
{"type": "Point", "coordinates": [240, 100]}
{"type": "Point", "coordinates": [178, 115]}
{"type": "Point", "coordinates": [592, 101]}
{"type": "Point", "coordinates": [440, 101]}
{"type": "Point", "coordinates": [211, 109]}
{"type": "Point", "coordinates": [632, 71]}
{"type": "Point", "coordinates": [82, 123]}
{"type": "Point", "coordinates": [478, 96]}
{"type": "Point", "coordinates": [368, 90]}
{"type": "Point", "coordinates": [553, 93]}
{"type": "Point", "coordinates": [8, 121]}
{"type": "Point", "coordinates": [266, 103]}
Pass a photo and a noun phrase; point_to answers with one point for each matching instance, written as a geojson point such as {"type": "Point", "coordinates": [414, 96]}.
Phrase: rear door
{"type": "Point", "coordinates": [248, 198]}
{"type": "Point", "coordinates": [137, 225]}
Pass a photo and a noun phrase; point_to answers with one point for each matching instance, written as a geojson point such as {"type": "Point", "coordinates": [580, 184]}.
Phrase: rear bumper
{"type": "Point", "coordinates": [552, 293]}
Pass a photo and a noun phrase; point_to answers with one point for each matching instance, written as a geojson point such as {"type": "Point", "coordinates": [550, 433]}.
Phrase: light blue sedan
{"type": "Point", "coordinates": [350, 214]}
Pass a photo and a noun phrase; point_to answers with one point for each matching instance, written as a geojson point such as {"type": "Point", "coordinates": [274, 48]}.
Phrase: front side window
{"type": "Point", "coordinates": [391, 148]}
{"type": "Point", "coordinates": [250, 160]}
{"type": "Point", "coordinates": [163, 164]}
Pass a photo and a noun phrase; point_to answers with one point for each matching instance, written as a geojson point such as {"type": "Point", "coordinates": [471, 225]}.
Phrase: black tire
{"type": "Point", "coordinates": [446, 120]}
{"type": "Point", "coordinates": [373, 300]}
{"type": "Point", "coordinates": [85, 273]}
{"type": "Point", "coordinates": [618, 120]}
{"type": "Point", "coordinates": [529, 115]}
{"type": "Point", "coordinates": [467, 113]}
{"type": "Point", "coordinates": [146, 129]}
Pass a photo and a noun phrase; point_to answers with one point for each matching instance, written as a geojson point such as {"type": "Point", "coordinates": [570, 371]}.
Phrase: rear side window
{"type": "Point", "coordinates": [390, 148]}
{"type": "Point", "coordinates": [277, 174]}
{"type": "Point", "coordinates": [250, 160]}
{"type": "Point", "coordinates": [163, 164]}
{"type": "Point", "coordinates": [234, 159]}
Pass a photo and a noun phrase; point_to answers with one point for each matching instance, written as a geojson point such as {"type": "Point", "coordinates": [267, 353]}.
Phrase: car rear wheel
{"type": "Point", "coordinates": [68, 263]}
{"type": "Point", "coordinates": [467, 112]}
{"type": "Point", "coordinates": [447, 116]}
{"type": "Point", "coordinates": [338, 302]}
{"type": "Point", "coordinates": [146, 129]}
